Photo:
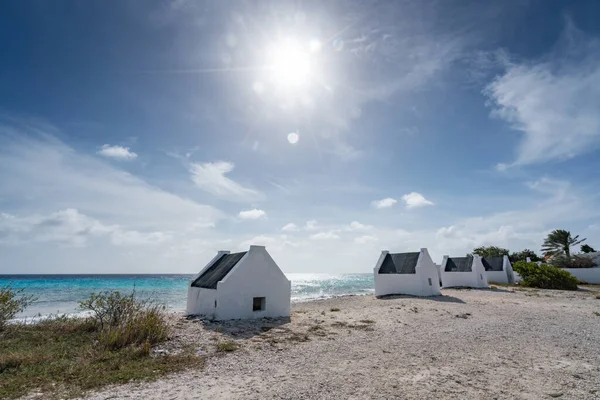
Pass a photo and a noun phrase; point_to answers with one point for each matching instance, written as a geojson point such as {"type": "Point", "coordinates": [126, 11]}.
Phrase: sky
{"type": "Point", "coordinates": [142, 137]}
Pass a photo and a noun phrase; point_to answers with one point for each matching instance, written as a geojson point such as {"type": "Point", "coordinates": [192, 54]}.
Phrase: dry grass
{"type": "Point", "coordinates": [227, 347]}
{"type": "Point", "coordinates": [335, 309]}
{"type": "Point", "coordinates": [62, 359]}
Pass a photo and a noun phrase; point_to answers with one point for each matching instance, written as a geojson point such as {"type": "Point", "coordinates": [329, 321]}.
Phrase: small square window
{"type": "Point", "coordinates": [429, 279]}
{"type": "Point", "coordinates": [258, 304]}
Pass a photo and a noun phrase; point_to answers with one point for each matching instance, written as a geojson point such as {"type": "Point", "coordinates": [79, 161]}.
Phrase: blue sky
{"type": "Point", "coordinates": [144, 136]}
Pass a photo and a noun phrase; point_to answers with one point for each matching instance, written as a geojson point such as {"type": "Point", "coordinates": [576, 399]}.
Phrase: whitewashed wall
{"type": "Point", "coordinates": [476, 278]}
{"type": "Point", "coordinates": [589, 275]}
{"type": "Point", "coordinates": [416, 284]}
{"type": "Point", "coordinates": [201, 301]}
{"type": "Point", "coordinates": [255, 275]}
{"type": "Point", "coordinates": [507, 275]}
{"type": "Point", "coordinates": [497, 276]}
{"type": "Point", "coordinates": [517, 277]}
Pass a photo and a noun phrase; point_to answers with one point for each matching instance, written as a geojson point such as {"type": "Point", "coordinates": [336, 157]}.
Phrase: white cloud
{"type": "Point", "coordinates": [70, 227]}
{"type": "Point", "coordinates": [553, 187]}
{"type": "Point", "coordinates": [324, 236]}
{"type": "Point", "coordinates": [211, 177]}
{"type": "Point", "coordinates": [311, 225]}
{"type": "Point", "coordinates": [252, 214]}
{"type": "Point", "coordinates": [52, 175]}
{"type": "Point", "coordinates": [357, 226]}
{"type": "Point", "coordinates": [117, 152]}
{"type": "Point", "coordinates": [291, 227]}
{"type": "Point", "coordinates": [384, 203]}
{"type": "Point", "coordinates": [415, 200]}
{"type": "Point", "coordinates": [275, 244]}
{"type": "Point", "coordinates": [135, 238]}
{"type": "Point", "coordinates": [553, 101]}
{"type": "Point", "coordinates": [346, 152]}
{"type": "Point", "coordinates": [365, 239]}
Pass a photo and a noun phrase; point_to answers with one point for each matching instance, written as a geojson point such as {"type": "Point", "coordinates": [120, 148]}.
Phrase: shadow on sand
{"type": "Point", "coordinates": [443, 299]}
{"type": "Point", "coordinates": [495, 289]}
{"type": "Point", "coordinates": [588, 288]}
{"type": "Point", "coordinates": [243, 329]}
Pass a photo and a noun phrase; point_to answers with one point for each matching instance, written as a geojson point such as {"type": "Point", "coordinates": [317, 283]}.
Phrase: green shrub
{"type": "Point", "coordinates": [544, 276]}
{"type": "Point", "coordinates": [12, 302]}
{"type": "Point", "coordinates": [572, 262]}
{"type": "Point", "coordinates": [111, 308]}
{"type": "Point", "coordinates": [126, 320]}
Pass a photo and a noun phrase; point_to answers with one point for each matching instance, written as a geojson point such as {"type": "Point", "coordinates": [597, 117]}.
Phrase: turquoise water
{"type": "Point", "coordinates": [61, 293]}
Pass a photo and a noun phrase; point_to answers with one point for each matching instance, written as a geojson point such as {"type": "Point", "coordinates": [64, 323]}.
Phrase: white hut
{"type": "Point", "coordinates": [463, 272]}
{"type": "Point", "coordinates": [498, 269]}
{"type": "Point", "coordinates": [240, 286]}
{"type": "Point", "coordinates": [406, 273]}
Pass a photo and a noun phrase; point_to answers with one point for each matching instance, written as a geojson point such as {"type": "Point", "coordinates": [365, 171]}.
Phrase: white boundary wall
{"type": "Point", "coordinates": [588, 275]}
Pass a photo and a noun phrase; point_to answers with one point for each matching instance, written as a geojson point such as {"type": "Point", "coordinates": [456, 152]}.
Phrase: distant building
{"type": "Point", "coordinates": [240, 286]}
{"type": "Point", "coordinates": [498, 269]}
{"type": "Point", "coordinates": [406, 273]}
{"type": "Point", "coordinates": [595, 257]}
{"type": "Point", "coordinates": [464, 272]}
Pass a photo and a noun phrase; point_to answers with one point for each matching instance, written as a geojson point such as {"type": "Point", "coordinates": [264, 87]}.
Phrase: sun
{"type": "Point", "coordinates": [289, 62]}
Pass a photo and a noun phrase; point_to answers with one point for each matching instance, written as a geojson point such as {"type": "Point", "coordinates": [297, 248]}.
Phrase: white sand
{"type": "Point", "coordinates": [468, 344]}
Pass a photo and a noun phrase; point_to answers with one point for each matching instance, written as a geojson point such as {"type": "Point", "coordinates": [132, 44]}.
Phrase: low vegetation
{"type": "Point", "coordinates": [523, 255]}
{"type": "Point", "coordinates": [126, 320]}
{"type": "Point", "coordinates": [335, 309]}
{"type": "Point", "coordinates": [572, 262]}
{"type": "Point", "coordinates": [544, 276]}
{"type": "Point", "coordinates": [12, 302]}
{"type": "Point", "coordinates": [65, 357]}
{"type": "Point", "coordinates": [489, 251]}
{"type": "Point", "coordinates": [226, 347]}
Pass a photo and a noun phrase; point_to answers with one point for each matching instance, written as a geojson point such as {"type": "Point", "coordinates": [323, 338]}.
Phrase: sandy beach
{"type": "Point", "coordinates": [467, 344]}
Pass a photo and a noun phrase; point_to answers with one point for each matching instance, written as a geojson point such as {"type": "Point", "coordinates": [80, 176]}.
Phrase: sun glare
{"type": "Point", "coordinates": [290, 62]}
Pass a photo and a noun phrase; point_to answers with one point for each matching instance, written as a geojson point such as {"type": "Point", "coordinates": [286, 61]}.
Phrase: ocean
{"type": "Point", "coordinates": [60, 294]}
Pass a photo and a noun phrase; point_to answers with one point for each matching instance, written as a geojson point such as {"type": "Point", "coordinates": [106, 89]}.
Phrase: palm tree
{"type": "Point", "coordinates": [586, 248]}
{"type": "Point", "coordinates": [559, 242]}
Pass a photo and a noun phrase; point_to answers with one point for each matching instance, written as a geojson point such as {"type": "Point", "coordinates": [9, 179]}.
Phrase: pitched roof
{"type": "Point", "coordinates": [218, 271]}
{"type": "Point", "coordinates": [399, 263]}
{"type": "Point", "coordinates": [459, 264]}
{"type": "Point", "coordinates": [493, 263]}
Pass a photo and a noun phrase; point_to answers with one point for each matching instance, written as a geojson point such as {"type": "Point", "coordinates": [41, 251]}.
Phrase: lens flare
{"type": "Point", "coordinates": [293, 137]}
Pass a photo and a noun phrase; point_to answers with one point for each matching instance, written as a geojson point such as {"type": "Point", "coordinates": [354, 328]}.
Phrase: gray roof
{"type": "Point", "coordinates": [459, 264]}
{"type": "Point", "coordinates": [493, 263]}
{"type": "Point", "coordinates": [399, 263]}
{"type": "Point", "coordinates": [218, 271]}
